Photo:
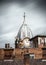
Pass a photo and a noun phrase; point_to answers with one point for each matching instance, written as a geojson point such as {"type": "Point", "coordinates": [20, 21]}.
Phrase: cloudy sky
{"type": "Point", "coordinates": [11, 18]}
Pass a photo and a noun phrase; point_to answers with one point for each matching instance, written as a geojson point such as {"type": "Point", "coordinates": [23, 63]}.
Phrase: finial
{"type": "Point", "coordinates": [24, 17]}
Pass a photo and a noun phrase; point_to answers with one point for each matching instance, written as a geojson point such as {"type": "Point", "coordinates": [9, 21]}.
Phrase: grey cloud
{"type": "Point", "coordinates": [40, 4]}
{"type": "Point", "coordinates": [40, 31]}
{"type": "Point", "coordinates": [35, 12]}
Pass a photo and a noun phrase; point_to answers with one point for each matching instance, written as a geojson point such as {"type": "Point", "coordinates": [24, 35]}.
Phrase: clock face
{"type": "Point", "coordinates": [26, 43]}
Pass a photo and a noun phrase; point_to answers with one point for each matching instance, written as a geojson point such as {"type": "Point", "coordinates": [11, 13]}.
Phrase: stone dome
{"type": "Point", "coordinates": [24, 31]}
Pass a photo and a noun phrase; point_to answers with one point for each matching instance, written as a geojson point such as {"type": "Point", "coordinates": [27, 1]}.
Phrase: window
{"type": "Point", "coordinates": [45, 41]}
{"type": "Point", "coordinates": [41, 40]}
{"type": "Point", "coordinates": [32, 56]}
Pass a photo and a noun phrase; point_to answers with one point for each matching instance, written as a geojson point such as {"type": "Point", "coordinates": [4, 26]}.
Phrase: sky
{"type": "Point", "coordinates": [11, 18]}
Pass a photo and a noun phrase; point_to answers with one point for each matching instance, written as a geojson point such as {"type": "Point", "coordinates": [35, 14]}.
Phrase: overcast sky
{"type": "Point", "coordinates": [11, 18]}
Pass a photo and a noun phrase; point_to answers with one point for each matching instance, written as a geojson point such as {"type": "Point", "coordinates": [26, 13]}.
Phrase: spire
{"type": "Point", "coordinates": [24, 18]}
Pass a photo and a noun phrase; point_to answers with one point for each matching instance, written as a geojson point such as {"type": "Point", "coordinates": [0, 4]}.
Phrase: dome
{"type": "Point", "coordinates": [24, 31]}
